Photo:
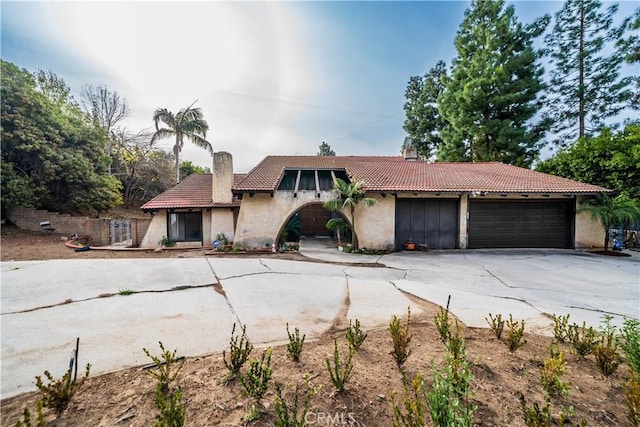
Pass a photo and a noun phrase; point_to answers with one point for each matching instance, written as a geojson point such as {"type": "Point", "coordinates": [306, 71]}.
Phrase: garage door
{"type": "Point", "coordinates": [521, 224]}
{"type": "Point", "coordinates": [313, 220]}
{"type": "Point", "coordinates": [427, 221]}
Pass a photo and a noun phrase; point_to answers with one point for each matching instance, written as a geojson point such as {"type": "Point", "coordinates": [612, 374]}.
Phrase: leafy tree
{"type": "Point", "coordinates": [187, 168]}
{"type": "Point", "coordinates": [611, 212]}
{"type": "Point", "coordinates": [348, 196]}
{"type": "Point", "coordinates": [491, 99]}
{"type": "Point", "coordinates": [144, 170]}
{"type": "Point", "coordinates": [586, 87]}
{"type": "Point", "coordinates": [188, 123]}
{"type": "Point", "coordinates": [610, 159]}
{"type": "Point", "coordinates": [630, 47]}
{"type": "Point", "coordinates": [325, 150]}
{"type": "Point", "coordinates": [423, 122]}
{"type": "Point", "coordinates": [51, 157]}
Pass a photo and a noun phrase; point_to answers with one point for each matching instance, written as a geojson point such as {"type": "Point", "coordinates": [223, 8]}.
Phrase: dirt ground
{"type": "Point", "coordinates": [126, 398]}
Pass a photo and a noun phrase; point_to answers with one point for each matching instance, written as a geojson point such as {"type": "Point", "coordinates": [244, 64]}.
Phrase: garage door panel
{"type": "Point", "coordinates": [520, 224]}
{"type": "Point", "coordinates": [427, 221]}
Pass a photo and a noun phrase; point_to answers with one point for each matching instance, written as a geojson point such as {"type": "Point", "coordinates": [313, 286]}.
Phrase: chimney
{"type": "Point", "coordinates": [222, 177]}
{"type": "Point", "coordinates": [409, 153]}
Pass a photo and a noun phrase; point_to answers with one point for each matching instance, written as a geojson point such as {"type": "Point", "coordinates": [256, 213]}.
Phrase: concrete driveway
{"type": "Point", "coordinates": [190, 304]}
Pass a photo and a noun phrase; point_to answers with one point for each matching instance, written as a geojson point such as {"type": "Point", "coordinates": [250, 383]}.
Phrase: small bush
{"type": "Point", "coordinates": [338, 373]}
{"type": "Point", "coordinates": [256, 380]}
{"type": "Point", "coordinates": [496, 324]}
{"type": "Point", "coordinates": [443, 324]}
{"type": "Point", "coordinates": [172, 410]}
{"type": "Point", "coordinates": [292, 415]}
{"type": "Point", "coordinates": [606, 349]}
{"type": "Point", "coordinates": [551, 373]}
{"type": "Point", "coordinates": [401, 338]}
{"type": "Point", "coordinates": [167, 367]}
{"type": "Point", "coordinates": [533, 416]}
{"type": "Point", "coordinates": [414, 402]}
{"type": "Point", "coordinates": [26, 417]}
{"type": "Point", "coordinates": [166, 242]}
{"type": "Point", "coordinates": [630, 343]}
{"type": "Point", "coordinates": [515, 334]}
{"type": "Point", "coordinates": [631, 389]}
{"type": "Point", "coordinates": [582, 339]}
{"type": "Point", "coordinates": [239, 352]}
{"type": "Point", "coordinates": [560, 327]}
{"type": "Point", "coordinates": [355, 335]}
{"type": "Point", "coordinates": [294, 348]}
{"type": "Point", "coordinates": [57, 394]}
{"type": "Point", "coordinates": [446, 406]}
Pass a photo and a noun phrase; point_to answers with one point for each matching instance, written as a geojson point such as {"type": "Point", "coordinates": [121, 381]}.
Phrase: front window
{"type": "Point", "coordinates": [185, 226]}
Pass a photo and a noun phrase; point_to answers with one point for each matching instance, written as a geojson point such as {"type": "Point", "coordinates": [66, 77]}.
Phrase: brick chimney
{"type": "Point", "coordinates": [222, 177]}
{"type": "Point", "coordinates": [410, 154]}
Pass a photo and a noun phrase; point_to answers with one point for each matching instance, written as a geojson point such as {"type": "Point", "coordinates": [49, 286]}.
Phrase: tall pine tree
{"type": "Point", "coordinates": [492, 96]}
{"type": "Point", "coordinates": [585, 87]}
{"type": "Point", "coordinates": [423, 122]}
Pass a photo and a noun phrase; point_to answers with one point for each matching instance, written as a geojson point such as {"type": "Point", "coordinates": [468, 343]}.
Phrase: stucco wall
{"type": "Point", "coordinates": [214, 221]}
{"type": "Point", "coordinates": [157, 229]}
{"type": "Point", "coordinates": [589, 231]}
{"type": "Point", "coordinates": [375, 225]}
{"type": "Point", "coordinates": [221, 222]}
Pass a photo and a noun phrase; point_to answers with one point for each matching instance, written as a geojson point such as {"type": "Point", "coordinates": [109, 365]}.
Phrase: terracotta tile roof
{"type": "Point", "coordinates": [394, 174]}
{"type": "Point", "coordinates": [193, 191]}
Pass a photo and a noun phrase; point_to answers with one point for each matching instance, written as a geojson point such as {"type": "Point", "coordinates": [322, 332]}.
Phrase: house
{"type": "Point", "coordinates": [441, 205]}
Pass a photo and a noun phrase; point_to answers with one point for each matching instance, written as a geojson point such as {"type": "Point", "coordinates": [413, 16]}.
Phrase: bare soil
{"type": "Point", "coordinates": [126, 397]}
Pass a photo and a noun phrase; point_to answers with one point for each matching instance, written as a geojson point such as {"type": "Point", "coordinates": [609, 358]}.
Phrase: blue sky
{"type": "Point", "coordinates": [271, 77]}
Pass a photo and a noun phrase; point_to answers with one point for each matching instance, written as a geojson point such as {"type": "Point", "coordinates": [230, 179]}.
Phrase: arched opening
{"type": "Point", "coordinates": [311, 221]}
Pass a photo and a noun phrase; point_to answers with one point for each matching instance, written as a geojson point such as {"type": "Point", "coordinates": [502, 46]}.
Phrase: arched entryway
{"type": "Point", "coordinates": [313, 220]}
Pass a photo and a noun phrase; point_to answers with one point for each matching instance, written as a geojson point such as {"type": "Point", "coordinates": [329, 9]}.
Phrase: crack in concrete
{"type": "Point", "coordinates": [109, 295]}
{"type": "Point", "coordinates": [269, 270]}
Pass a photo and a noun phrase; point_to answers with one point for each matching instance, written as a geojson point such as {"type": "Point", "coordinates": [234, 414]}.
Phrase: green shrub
{"type": "Point", "coordinates": [414, 402]}
{"type": "Point", "coordinates": [443, 324]}
{"type": "Point", "coordinates": [167, 367]}
{"type": "Point", "coordinates": [630, 343]}
{"type": "Point", "coordinates": [57, 394]}
{"type": "Point", "coordinates": [172, 410]}
{"type": "Point", "coordinates": [338, 373]}
{"type": "Point", "coordinates": [551, 374]}
{"type": "Point", "coordinates": [166, 242]}
{"type": "Point", "coordinates": [294, 348]}
{"type": "Point", "coordinates": [239, 352]}
{"type": "Point", "coordinates": [26, 417]}
{"type": "Point", "coordinates": [533, 416]}
{"type": "Point", "coordinates": [582, 339]}
{"type": "Point", "coordinates": [606, 349]}
{"type": "Point", "coordinates": [401, 338]}
{"type": "Point", "coordinates": [560, 327]}
{"type": "Point", "coordinates": [496, 324]}
{"type": "Point", "coordinates": [292, 415]}
{"type": "Point", "coordinates": [631, 390]}
{"type": "Point", "coordinates": [515, 334]}
{"type": "Point", "coordinates": [446, 406]}
{"type": "Point", "coordinates": [355, 335]}
{"type": "Point", "coordinates": [255, 381]}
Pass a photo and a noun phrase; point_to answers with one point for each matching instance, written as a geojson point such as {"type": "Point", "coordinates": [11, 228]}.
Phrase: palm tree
{"type": "Point", "coordinates": [187, 124]}
{"type": "Point", "coordinates": [349, 196]}
{"type": "Point", "coordinates": [611, 212]}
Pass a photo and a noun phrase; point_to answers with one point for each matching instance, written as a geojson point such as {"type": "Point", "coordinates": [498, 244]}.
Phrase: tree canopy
{"type": "Point", "coordinates": [586, 84]}
{"type": "Point", "coordinates": [610, 159]}
{"type": "Point", "coordinates": [325, 150]}
{"type": "Point", "coordinates": [188, 123]}
{"type": "Point", "coordinates": [52, 157]}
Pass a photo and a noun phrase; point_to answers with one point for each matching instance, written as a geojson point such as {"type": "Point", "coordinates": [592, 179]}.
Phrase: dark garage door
{"type": "Point", "coordinates": [520, 224]}
{"type": "Point", "coordinates": [427, 221]}
{"type": "Point", "coordinates": [313, 220]}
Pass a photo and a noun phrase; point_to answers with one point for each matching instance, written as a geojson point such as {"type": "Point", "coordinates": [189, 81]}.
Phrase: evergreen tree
{"type": "Point", "coordinates": [585, 87]}
{"type": "Point", "coordinates": [630, 47]}
{"type": "Point", "coordinates": [492, 96]}
{"type": "Point", "coordinates": [325, 150]}
{"type": "Point", "coordinates": [423, 122]}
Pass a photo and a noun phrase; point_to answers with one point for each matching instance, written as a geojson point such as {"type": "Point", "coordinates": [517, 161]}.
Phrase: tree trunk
{"type": "Point", "coordinates": [176, 152]}
{"type": "Point", "coordinates": [581, 89]}
{"type": "Point", "coordinates": [354, 236]}
{"type": "Point", "coordinates": [606, 239]}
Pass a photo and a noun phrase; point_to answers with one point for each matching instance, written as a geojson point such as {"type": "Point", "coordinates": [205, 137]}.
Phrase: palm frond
{"type": "Point", "coordinates": [163, 133]}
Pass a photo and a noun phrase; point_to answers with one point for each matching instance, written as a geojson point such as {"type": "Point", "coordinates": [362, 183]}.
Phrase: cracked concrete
{"type": "Point", "coordinates": [190, 304]}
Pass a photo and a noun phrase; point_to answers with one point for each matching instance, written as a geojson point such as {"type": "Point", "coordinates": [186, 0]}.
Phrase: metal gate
{"type": "Point", "coordinates": [120, 232]}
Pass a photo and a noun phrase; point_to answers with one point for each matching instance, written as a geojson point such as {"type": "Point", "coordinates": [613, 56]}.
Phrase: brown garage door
{"type": "Point", "coordinates": [433, 222]}
{"type": "Point", "coordinates": [520, 224]}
